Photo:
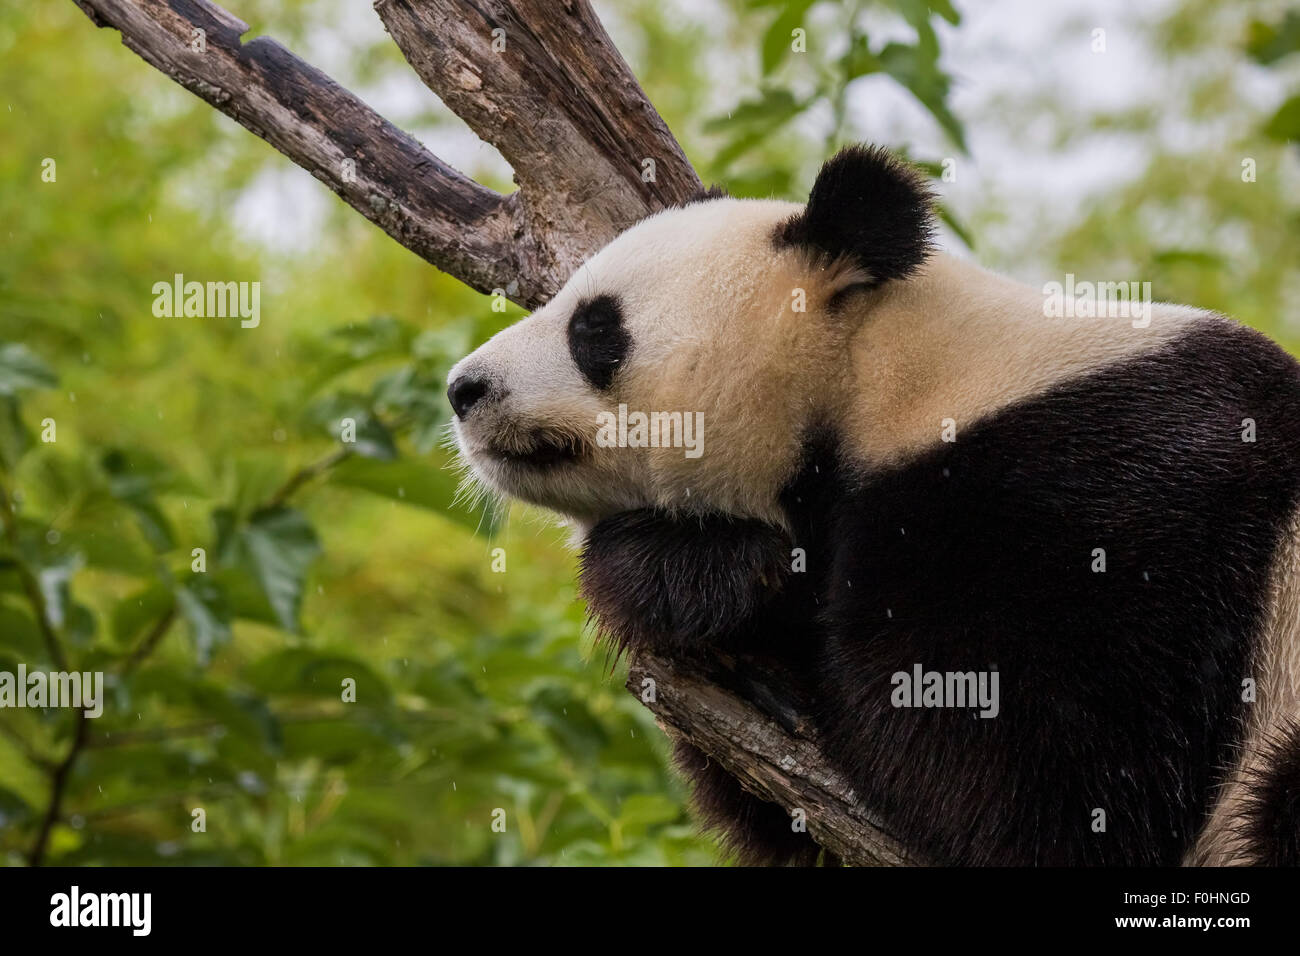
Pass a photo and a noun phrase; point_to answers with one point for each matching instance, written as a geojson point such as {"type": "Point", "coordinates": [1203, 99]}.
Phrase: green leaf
{"type": "Point", "coordinates": [137, 470]}
{"type": "Point", "coordinates": [752, 121]}
{"type": "Point", "coordinates": [276, 547]}
{"type": "Point", "coordinates": [918, 13]}
{"type": "Point", "coordinates": [376, 337]}
{"type": "Point", "coordinates": [417, 394]}
{"type": "Point", "coordinates": [556, 707]}
{"type": "Point", "coordinates": [414, 483]}
{"type": "Point", "coordinates": [917, 68]}
{"type": "Point", "coordinates": [777, 39]}
{"type": "Point", "coordinates": [1196, 258]}
{"type": "Point", "coordinates": [282, 545]}
{"type": "Point", "coordinates": [648, 809]}
{"type": "Point", "coordinates": [18, 631]}
{"type": "Point", "coordinates": [20, 368]}
{"type": "Point", "coordinates": [102, 545]}
{"type": "Point", "coordinates": [342, 740]}
{"type": "Point", "coordinates": [15, 439]}
{"type": "Point", "coordinates": [858, 60]}
{"type": "Point", "coordinates": [945, 9]}
{"type": "Point", "coordinates": [244, 715]}
{"type": "Point", "coordinates": [204, 607]}
{"type": "Point", "coordinates": [133, 614]}
{"type": "Point", "coordinates": [738, 146]}
{"type": "Point", "coordinates": [14, 810]}
{"type": "Point", "coordinates": [132, 483]}
{"type": "Point", "coordinates": [1285, 124]}
{"type": "Point", "coordinates": [347, 347]}
{"type": "Point", "coordinates": [53, 560]}
{"type": "Point", "coordinates": [244, 596]}
{"type": "Point", "coordinates": [772, 108]}
{"type": "Point", "coordinates": [1267, 43]}
{"type": "Point", "coordinates": [760, 183]}
{"type": "Point", "coordinates": [319, 674]}
{"type": "Point", "coordinates": [442, 346]}
{"type": "Point", "coordinates": [370, 438]}
{"type": "Point", "coordinates": [347, 415]}
{"type": "Point", "coordinates": [153, 523]}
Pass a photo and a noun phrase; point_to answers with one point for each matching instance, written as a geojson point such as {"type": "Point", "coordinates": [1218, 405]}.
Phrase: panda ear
{"type": "Point", "coordinates": [868, 208]}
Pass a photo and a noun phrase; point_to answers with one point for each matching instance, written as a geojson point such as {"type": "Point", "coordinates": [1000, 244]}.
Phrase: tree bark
{"type": "Point", "coordinates": [541, 81]}
{"type": "Point", "coordinates": [746, 714]}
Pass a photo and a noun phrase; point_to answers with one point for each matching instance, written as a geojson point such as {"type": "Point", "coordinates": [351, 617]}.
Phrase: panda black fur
{"type": "Point", "coordinates": [1122, 691]}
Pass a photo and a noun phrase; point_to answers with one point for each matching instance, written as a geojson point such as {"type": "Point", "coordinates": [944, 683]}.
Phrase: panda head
{"type": "Point", "coordinates": [717, 331]}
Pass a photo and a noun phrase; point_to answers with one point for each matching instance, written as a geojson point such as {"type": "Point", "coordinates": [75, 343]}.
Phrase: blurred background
{"type": "Point", "coordinates": [182, 516]}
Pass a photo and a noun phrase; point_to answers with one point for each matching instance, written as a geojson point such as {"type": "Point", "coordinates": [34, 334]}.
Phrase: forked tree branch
{"type": "Point", "coordinates": [541, 81]}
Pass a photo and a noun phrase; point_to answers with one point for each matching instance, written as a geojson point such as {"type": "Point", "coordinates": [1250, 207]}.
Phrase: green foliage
{"type": "Point", "coordinates": [255, 533]}
{"type": "Point", "coordinates": [1216, 227]}
{"type": "Point", "coordinates": [1269, 42]}
{"type": "Point", "coordinates": [799, 61]}
{"type": "Point", "coordinates": [1285, 124]}
{"type": "Point", "coordinates": [181, 509]}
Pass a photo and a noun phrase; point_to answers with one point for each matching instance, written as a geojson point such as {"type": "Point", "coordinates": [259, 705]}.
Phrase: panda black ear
{"type": "Point", "coordinates": [870, 208]}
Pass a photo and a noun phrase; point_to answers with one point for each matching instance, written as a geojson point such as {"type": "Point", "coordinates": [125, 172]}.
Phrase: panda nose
{"type": "Point", "coordinates": [465, 393]}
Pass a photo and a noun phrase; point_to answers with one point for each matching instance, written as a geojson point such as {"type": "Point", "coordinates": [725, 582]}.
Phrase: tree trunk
{"type": "Point", "coordinates": [541, 81]}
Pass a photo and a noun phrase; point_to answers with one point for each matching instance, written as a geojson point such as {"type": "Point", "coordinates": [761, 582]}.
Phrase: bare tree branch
{"type": "Point", "coordinates": [541, 81]}
{"type": "Point", "coordinates": [382, 172]}
{"type": "Point", "coordinates": [592, 154]}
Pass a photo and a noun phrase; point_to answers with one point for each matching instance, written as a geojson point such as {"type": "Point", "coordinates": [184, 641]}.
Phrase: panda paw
{"type": "Point", "coordinates": [678, 583]}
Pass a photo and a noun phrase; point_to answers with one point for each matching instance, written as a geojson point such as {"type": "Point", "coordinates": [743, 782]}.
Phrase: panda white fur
{"type": "Point", "coordinates": [1124, 690]}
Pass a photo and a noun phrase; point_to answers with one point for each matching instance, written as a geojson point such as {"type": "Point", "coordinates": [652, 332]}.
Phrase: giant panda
{"type": "Point", "coordinates": [1104, 513]}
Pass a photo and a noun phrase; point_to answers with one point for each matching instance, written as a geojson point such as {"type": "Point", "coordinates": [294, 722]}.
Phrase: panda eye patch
{"type": "Point", "coordinates": [598, 342]}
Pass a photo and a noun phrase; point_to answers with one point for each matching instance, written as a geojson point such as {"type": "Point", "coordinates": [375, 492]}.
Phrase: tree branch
{"type": "Point", "coordinates": [542, 81]}
{"type": "Point", "coordinates": [461, 227]}
{"type": "Point", "coordinates": [306, 474]}
{"type": "Point", "coordinates": [149, 643]}
{"type": "Point", "coordinates": [748, 715]}
{"type": "Point", "coordinates": [558, 101]}
{"type": "Point", "coordinates": [58, 788]}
